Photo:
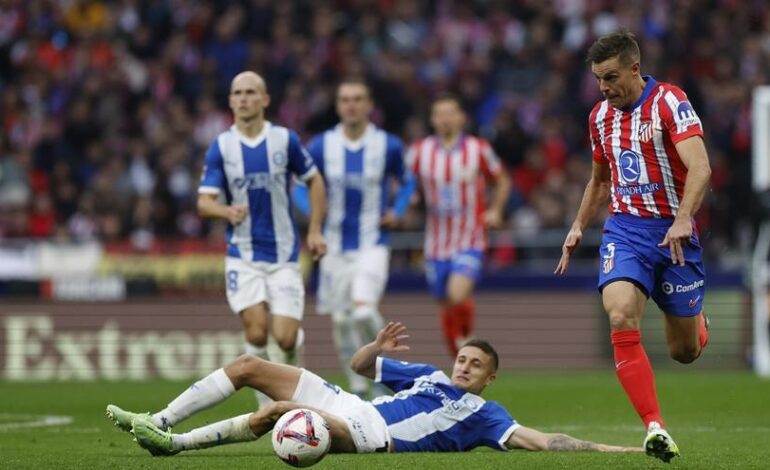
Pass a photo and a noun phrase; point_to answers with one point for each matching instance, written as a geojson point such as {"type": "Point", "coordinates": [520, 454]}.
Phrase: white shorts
{"type": "Point", "coordinates": [249, 283]}
{"type": "Point", "coordinates": [366, 425]}
{"type": "Point", "coordinates": [353, 276]}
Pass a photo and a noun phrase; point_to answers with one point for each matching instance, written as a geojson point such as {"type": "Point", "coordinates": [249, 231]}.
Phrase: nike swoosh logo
{"type": "Point", "coordinates": [618, 364]}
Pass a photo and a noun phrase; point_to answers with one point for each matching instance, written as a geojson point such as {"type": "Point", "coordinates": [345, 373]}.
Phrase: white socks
{"type": "Point", "coordinates": [222, 432]}
{"type": "Point", "coordinates": [204, 393]}
{"type": "Point", "coordinates": [348, 340]}
{"type": "Point", "coordinates": [368, 321]}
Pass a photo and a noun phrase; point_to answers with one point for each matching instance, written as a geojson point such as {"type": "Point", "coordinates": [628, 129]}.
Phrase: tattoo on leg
{"type": "Point", "coordinates": [563, 442]}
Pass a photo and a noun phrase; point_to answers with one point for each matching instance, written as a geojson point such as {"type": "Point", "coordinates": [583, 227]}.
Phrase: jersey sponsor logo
{"type": "Point", "coordinates": [669, 288]}
{"type": "Point", "coordinates": [645, 132]}
{"type": "Point", "coordinates": [608, 260]}
{"type": "Point", "coordinates": [351, 181]}
{"type": "Point", "coordinates": [685, 116]}
{"type": "Point", "coordinates": [629, 166]}
{"type": "Point", "coordinates": [646, 188]}
{"type": "Point", "coordinates": [260, 180]}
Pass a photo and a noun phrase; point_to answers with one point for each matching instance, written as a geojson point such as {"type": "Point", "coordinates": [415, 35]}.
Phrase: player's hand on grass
{"type": "Point", "coordinates": [392, 337]}
{"type": "Point", "coordinates": [316, 244]}
{"type": "Point", "coordinates": [573, 239]}
{"type": "Point", "coordinates": [492, 218]}
{"type": "Point", "coordinates": [236, 214]}
{"type": "Point", "coordinates": [677, 235]}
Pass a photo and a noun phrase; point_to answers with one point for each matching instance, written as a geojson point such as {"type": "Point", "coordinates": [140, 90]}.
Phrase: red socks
{"type": "Point", "coordinates": [457, 323]}
{"type": "Point", "coordinates": [635, 374]}
{"type": "Point", "coordinates": [704, 332]}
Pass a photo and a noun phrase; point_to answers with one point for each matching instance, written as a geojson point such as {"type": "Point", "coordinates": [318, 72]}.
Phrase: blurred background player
{"type": "Point", "coordinates": [649, 156]}
{"type": "Point", "coordinates": [359, 162]}
{"type": "Point", "coordinates": [251, 163]}
{"type": "Point", "coordinates": [453, 169]}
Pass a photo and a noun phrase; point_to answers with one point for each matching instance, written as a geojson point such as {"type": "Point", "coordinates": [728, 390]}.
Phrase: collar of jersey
{"type": "Point", "coordinates": [249, 142]}
{"type": "Point", "coordinates": [651, 82]}
{"type": "Point", "coordinates": [357, 144]}
{"type": "Point", "coordinates": [457, 145]}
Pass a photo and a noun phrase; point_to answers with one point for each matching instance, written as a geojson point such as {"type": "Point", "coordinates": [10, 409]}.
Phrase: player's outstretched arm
{"type": "Point", "coordinates": [595, 196]}
{"type": "Point", "coordinates": [389, 339]}
{"type": "Point", "coordinates": [531, 439]}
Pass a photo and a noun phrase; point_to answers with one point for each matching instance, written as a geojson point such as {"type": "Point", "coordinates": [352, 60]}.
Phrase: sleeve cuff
{"type": "Point", "coordinates": [208, 190]}
{"type": "Point", "coordinates": [507, 435]}
{"type": "Point", "coordinates": [308, 174]}
{"type": "Point", "coordinates": [378, 370]}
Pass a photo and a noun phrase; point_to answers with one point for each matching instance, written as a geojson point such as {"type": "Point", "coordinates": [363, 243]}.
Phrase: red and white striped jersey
{"type": "Point", "coordinates": [647, 174]}
{"type": "Point", "coordinates": [453, 184]}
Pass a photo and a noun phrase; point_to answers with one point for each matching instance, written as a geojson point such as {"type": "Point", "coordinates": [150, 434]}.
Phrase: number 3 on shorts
{"type": "Point", "coordinates": [232, 280]}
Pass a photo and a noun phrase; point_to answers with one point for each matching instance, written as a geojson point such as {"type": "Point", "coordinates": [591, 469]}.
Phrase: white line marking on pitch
{"type": "Point", "coordinates": [33, 421]}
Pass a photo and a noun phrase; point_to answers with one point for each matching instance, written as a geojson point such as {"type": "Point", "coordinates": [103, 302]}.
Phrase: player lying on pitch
{"type": "Point", "coordinates": [429, 413]}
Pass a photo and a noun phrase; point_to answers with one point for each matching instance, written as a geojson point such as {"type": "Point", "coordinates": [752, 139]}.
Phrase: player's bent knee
{"type": "Point", "coordinates": [684, 354]}
{"type": "Point", "coordinates": [287, 342]}
{"type": "Point", "coordinates": [622, 319]}
{"type": "Point", "coordinates": [241, 370]}
{"type": "Point", "coordinates": [256, 336]}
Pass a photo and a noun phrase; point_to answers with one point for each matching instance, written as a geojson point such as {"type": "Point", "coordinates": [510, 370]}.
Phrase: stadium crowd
{"type": "Point", "coordinates": [106, 106]}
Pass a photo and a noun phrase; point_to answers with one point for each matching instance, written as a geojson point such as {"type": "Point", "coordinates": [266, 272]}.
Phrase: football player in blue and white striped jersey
{"type": "Point", "coordinates": [359, 162]}
{"type": "Point", "coordinates": [250, 167]}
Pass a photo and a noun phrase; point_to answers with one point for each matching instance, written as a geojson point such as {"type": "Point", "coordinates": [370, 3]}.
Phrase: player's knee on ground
{"type": "Point", "coordinates": [243, 369]}
{"type": "Point", "coordinates": [684, 353]}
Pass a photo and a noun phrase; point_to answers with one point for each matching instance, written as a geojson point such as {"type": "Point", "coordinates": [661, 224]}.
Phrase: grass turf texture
{"type": "Point", "coordinates": [719, 419]}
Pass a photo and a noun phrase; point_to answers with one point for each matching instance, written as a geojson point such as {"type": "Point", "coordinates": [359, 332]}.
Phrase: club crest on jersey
{"type": "Point", "coordinates": [608, 260]}
{"type": "Point", "coordinates": [629, 166]}
{"type": "Point", "coordinates": [645, 132]}
{"type": "Point", "coordinates": [279, 158]}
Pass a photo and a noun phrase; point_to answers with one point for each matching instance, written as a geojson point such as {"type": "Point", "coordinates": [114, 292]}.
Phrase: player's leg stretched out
{"type": "Point", "coordinates": [278, 381]}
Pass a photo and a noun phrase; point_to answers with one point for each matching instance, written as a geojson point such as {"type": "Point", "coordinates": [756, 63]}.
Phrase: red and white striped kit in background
{"type": "Point", "coordinates": [453, 184]}
{"type": "Point", "coordinates": [648, 175]}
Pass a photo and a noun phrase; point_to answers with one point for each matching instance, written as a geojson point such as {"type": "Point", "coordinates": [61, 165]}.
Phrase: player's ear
{"type": "Point", "coordinates": [636, 68]}
{"type": "Point", "coordinates": [491, 378]}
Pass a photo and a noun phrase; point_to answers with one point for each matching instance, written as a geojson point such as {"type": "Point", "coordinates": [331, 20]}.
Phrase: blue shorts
{"type": "Point", "coordinates": [630, 252]}
{"type": "Point", "coordinates": [466, 263]}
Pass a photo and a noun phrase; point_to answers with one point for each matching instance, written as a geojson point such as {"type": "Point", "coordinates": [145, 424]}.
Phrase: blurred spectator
{"type": "Point", "coordinates": [106, 107]}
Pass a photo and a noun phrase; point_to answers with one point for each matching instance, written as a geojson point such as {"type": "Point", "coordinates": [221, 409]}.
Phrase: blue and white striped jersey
{"type": "Point", "coordinates": [357, 178]}
{"type": "Point", "coordinates": [257, 172]}
{"type": "Point", "coordinates": [429, 414]}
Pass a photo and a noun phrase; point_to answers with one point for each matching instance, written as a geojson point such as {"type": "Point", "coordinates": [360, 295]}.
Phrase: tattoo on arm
{"type": "Point", "coordinates": [563, 442]}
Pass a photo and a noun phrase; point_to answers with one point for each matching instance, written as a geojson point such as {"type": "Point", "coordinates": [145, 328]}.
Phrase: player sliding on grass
{"type": "Point", "coordinates": [429, 413]}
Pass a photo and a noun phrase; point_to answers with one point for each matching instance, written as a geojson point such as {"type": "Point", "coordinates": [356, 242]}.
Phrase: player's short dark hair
{"type": "Point", "coordinates": [487, 348]}
{"type": "Point", "coordinates": [621, 44]}
{"type": "Point", "coordinates": [355, 81]}
{"type": "Point", "coordinates": [449, 97]}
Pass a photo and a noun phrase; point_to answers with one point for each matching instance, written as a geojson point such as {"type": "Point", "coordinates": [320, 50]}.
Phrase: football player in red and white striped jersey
{"type": "Point", "coordinates": [649, 159]}
{"type": "Point", "coordinates": [453, 169]}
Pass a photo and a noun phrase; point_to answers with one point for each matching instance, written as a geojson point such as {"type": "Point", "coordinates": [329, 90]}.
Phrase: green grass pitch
{"type": "Point", "coordinates": [719, 419]}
